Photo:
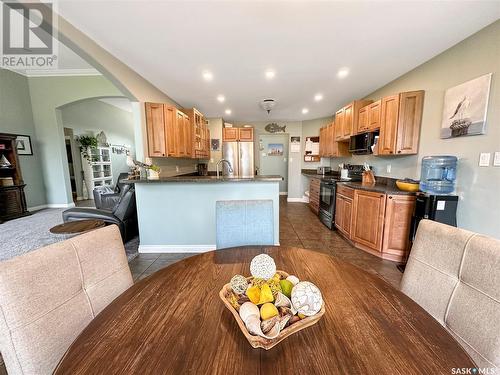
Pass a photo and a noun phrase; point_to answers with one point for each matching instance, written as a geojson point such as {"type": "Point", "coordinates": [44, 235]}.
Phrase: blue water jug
{"type": "Point", "coordinates": [438, 174]}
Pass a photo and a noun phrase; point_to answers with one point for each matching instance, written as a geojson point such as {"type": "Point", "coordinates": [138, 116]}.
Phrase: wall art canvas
{"type": "Point", "coordinates": [275, 149]}
{"type": "Point", "coordinates": [465, 107]}
{"type": "Point", "coordinates": [23, 145]}
{"type": "Point", "coordinates": [215, 144]}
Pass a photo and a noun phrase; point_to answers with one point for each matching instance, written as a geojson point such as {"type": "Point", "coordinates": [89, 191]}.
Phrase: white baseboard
{"type": "Point", "coordinates": [304, 199]}
{"type": "Point", "coordinates": [283, 192]}
{"type": "Point", "coordinates": [175, 248]}
{"type": "Point", "coordinates": [51, 205]}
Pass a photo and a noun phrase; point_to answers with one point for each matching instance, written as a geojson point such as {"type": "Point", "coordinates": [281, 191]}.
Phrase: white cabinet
{"type": "Point", "coordinates": [97, 169]}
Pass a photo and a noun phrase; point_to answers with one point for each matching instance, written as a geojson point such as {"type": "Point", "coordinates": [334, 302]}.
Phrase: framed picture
{"type": "Point", "coordinates": [275, 149]}
{"type": "Point", "coordinates": [465, 107]}
{"type": "Point", "coordinates": [23, 145]}
{"type": "Point", "coordinates": [294, 144]}
{"type": "Point", "coordinates": [215, 144]}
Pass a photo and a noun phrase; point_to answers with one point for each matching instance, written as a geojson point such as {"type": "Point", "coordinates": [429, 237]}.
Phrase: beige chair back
{"type": "Point", "coordinates": [48, 296]}
{"type": "Point", "coordinates": [454, 274]}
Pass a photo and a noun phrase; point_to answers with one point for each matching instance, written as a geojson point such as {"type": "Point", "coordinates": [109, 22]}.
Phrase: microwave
{"type": "Point", "coordinates": [361, 144]}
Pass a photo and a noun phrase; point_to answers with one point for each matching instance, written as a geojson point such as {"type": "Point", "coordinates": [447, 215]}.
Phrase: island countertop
{"type": "Point", "coordinates": [204, 179]}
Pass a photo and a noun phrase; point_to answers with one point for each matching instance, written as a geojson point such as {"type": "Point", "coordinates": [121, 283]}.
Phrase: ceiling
{"type": "Point", "coordinates": [171, 44]}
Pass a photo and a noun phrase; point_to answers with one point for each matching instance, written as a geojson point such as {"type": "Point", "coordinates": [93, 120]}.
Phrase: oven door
{"type": "Point", "coordinates": [327, 196]}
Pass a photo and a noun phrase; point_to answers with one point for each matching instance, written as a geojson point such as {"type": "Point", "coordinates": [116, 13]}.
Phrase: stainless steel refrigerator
{"type": "Point", "coordinates": [240, 155]}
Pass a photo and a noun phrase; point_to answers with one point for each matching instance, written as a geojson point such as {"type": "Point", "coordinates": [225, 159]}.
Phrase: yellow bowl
{"type": "Point", "coordinates": [407, 186]}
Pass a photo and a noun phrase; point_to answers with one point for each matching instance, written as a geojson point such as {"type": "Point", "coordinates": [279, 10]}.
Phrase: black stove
{"type": "Point", "coordinates": [328, 188]}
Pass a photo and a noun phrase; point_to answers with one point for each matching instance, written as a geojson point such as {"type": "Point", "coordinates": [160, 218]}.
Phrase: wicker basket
{"type": "Point", "coordinates": [262, 342]}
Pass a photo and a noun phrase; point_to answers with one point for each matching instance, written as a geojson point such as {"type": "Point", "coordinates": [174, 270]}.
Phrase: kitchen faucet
{"type": "Point", "coordinates": [228, 164]}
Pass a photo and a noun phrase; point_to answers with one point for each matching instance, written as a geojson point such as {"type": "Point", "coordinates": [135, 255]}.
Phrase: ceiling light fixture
{"type": "Point", "coordinates": [318, 97]}
{"type": "Point", "coordinates": [305, 110]}
{"type": "Point", "coordinates": [270, 74]}
{"type": "Point", "coordinates": [221, 98]}
{"type": "Point", "coordinates": [227, 111]}
{"type": "Point", "coordinates": [208, 76]}
{"type": "Point", "coordinates": [343, 72]}
{"type": "Point", "coordinates": [267, 104]}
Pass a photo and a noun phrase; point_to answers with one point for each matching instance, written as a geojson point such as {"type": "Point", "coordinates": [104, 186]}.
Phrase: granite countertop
{"type": "Point", "coordinates": [383, 185]}
{"type": "Point", "coordinates": [209, 179]}
{"type": "Point", "coordinates": [313, 173]}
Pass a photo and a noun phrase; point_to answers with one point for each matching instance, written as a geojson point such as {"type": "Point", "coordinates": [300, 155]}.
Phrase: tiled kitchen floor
{"type": "Point", "coordinates": [299, 227]}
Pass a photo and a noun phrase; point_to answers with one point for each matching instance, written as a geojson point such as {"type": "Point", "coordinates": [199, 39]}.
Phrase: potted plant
{"type": "Point", "coordinates": [87, 143]}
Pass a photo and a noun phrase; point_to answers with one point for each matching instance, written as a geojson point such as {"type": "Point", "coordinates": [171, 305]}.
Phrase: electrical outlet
{"type": "Point", "coordinates": [177, 169]}
{"type": "Point", "coordinates": [388, 168]}
{"type": "Point", "coordinates": [496, 159]}
{"type": "Point", "coordinates": [211, 160]}
{"type": "Point", "coordinates": [484, 159]}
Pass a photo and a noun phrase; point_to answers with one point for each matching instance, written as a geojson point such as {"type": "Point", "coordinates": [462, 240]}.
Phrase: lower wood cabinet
{"type": "Point", "coordinates": [314, 195]}
{"type": "Point", "coordinates": [368, 219]}
{"type": "Point", "coordinates": [375, 222]}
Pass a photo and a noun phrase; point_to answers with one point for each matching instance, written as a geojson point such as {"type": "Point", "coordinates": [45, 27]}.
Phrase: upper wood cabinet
{"type": "Point", "coordinates": [346, 119]}
{"type": "Point", "coordinates": [363, 119]}
{"type": "Point", "coordinates": [401, 117]}
{"type": "Point", "coordinates": [155, 122]}
{"type": "Point", "coordinates": [170, 118]}
{"type": "Point", "coordinates": [328, 146]}
{"type": "Point", "coordinates": [374, 114]}
{"type": "Point", "coordinates": [199, 134]}
{"type": "Point", "coordinates": [368, 212]}
{"type": "Point", "coordinates": [237, 134]}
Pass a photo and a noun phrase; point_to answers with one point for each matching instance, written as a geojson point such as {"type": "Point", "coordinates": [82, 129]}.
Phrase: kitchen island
{"type": "Point", "coordinates": [177, 214]}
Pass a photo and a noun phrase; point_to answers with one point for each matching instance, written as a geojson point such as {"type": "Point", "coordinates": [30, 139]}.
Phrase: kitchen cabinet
{"type": "Point", "coordinates": [373, 115]}
{"type": "Point", "coordinates": [328, 146]}
{"type": "Point", "coordinates": [398, 213]}
{"type": "Point", "coordinates": [363, 119]}
{"type": "Point", "coordinates": [182, 135]}
{"type": "Point", "coordinates": [170, 113]}
{"type": "Point", "coordinates": [237, 134]}
{"type": "Point", "coordinates": [200, 135]}
{"type": "Point", "coordinates": [347, 118]}
{"type": "Point", "coordinates": [343, 209]}
{"type": "Point", "coordinates": [368, 212]}
{"type": "Point", "coordinates": [314, 184]}
{"type": "Point", "coordinates": [401, 117]}
{"type": "Point", "coordinates": [155, 121]}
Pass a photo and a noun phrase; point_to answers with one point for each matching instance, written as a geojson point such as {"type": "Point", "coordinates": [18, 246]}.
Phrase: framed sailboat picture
{"type": "Point", "coordinates": [465, 107]}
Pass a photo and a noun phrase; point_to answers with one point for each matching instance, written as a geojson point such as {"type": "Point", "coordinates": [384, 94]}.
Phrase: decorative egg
{"type": "Point", "coordinates": [306, 298]}
{"type": "Point", "coordinates": [263, 267]}
{"type": "Point", "coordinates": [239, 284]}
{"type": "Point", "coordinates": [293, 279]}
{"type": "Point", "coordinates": [248, 309]}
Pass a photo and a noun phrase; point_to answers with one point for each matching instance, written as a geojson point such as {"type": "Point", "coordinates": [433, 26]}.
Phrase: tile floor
{"type": "Point", "coordinates": [299, 227]}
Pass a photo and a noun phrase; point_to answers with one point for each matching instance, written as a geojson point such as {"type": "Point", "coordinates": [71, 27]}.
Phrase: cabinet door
{"type": "Point", "coordinates": [170, 114]}
{"type": "Point", "coordinates": [339, 124]}
{"type": "Point", "coordinates": [188, 136]}
{"type": "Point", "coordinates": [398, 213]}
{"type": "Point", "coordinates": [155, 124]}
{"type": "Point", "coordinates": [362, 119]}
{"type": "Point", "coordinates": [330, 139]}
{"type": "Point", "coordinates": [409, 121]}
{"type": "Point", "coordinates": [368, 212]}
{"type": "Point", "coordinates": [180, 137]}
{"type": "Point", "coordinates": [346, 216]}
{"type": "Point", "coordinates": [374, 112]}
{"type": "Point", "coordinates": [347, 125]}
{"type": "Point", "coordinates": [388, 125]}
{"type": "Point", "coordinates": [339, 212]}
{"type": "Point", "coordinates": [314, 185]}
{"type": "Point", "coordinates": [229, 134]}
{"type": "Point", "coordinates": [245, 134]}
{"type": "Point", "coordinates": [322, 141]}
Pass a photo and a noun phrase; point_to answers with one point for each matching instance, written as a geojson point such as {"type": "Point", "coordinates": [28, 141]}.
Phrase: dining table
{"type": "Point", "coordinates": [174, 322]}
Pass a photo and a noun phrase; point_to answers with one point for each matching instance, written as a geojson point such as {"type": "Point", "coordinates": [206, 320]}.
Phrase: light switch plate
{"type": "Point", "coordinates": [389, 167]}
{"type": "Point", "coordinates": [496, 159]}
{"type": "Point", "coordinates": [484, 159]}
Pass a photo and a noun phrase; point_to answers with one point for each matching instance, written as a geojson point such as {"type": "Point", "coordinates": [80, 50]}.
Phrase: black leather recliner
{"type": "Point", "coordinates": [107, 198]}
{"type": "Point", "coordinates": [124, 214]}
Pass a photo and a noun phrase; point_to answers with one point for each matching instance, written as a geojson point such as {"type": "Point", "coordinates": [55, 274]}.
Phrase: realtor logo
{"type": "Point", "coordinates": [28, 36]}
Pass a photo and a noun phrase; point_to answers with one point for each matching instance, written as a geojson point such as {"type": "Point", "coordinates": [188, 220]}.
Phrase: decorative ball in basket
{"type": "Point", "coordinates": [271, 305]}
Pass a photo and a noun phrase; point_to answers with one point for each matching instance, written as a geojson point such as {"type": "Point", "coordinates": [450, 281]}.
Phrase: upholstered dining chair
{"type": "Point", "coordinates": [454, 274]}
{"type": "Point", "coordinates": [48, 296]}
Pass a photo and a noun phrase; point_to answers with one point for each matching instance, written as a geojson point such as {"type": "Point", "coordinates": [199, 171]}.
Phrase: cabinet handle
{"type": "Point", "coordinates": [399, 151]}
{"type": "Point", "coordinates": [390, 196]}
{"type": "Point", "coordinates": [390, 152]}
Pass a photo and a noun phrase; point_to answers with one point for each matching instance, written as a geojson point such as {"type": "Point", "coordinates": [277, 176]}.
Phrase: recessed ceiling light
{"type": "Point", "coordinates": [221, 98]}
{"type": "Point", "coordinates": [343, 72]}
{"type": "Point", "coordinates": [305, 110]}
{"type": "Point", "coordinates": [227, 111]}
{"type": "Point", "coordinates": [270, 74]}
{"type": "Point", "coordinates": [208, 76]}
{"type": "Point", "coordinates": [318, 97]}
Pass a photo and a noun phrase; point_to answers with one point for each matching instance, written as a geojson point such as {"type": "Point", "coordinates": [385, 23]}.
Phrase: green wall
{"type": "Point", "coordinates": [16, 117]}
{"type": "Point", "coordinates": [47, 95]}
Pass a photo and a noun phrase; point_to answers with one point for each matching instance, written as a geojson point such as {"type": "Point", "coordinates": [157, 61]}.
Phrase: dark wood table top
{"type": "Point", "coordinates": [77, 226]}
{"type": "Point", "coordinates": [173, 322]}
